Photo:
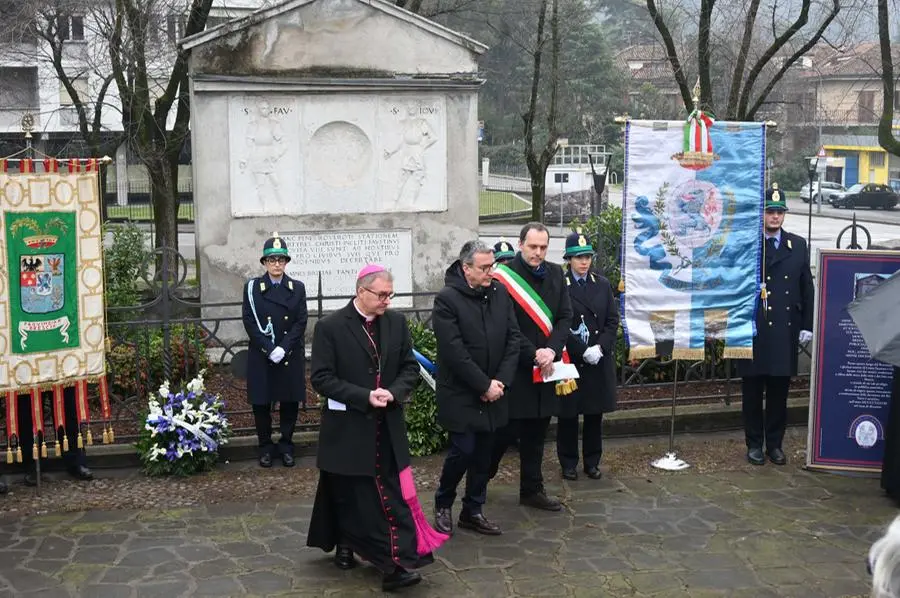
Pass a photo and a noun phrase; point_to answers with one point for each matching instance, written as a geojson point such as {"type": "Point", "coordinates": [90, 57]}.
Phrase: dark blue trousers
{"type": "Point", "coordinates": [469, 456]}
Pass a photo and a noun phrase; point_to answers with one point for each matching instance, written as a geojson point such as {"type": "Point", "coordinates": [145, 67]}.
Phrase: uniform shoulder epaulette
{"type": "Point", "coordinates": [290, 284]}
{"type": "Point", "coordinates": [262, 285]}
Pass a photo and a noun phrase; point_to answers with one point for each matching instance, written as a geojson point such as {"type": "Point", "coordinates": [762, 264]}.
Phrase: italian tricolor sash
{"type": "Point", "coordinates": [527, 298]}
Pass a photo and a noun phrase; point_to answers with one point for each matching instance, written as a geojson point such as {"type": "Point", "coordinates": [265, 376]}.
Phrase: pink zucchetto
{"type": "Point", "coordinates": [370, 269]}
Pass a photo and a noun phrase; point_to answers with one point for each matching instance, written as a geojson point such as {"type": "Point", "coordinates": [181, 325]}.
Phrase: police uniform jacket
{"type": "Point", "coordinates": [285, 306]}
{"type": "Point", "coordinates": [344, 369]}
{"type": "Point", "coordinates": [789, 310]}
{"type": "Point", "coordinates": [528, 400]}
{"type": "Point", "coordinates": [594, 304]}
{"type": "Point", "coordinates": [477, 342]}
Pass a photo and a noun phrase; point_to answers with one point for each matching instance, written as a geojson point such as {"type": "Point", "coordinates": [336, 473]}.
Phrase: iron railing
{"type": "Point", "coordinates": [172, 335]}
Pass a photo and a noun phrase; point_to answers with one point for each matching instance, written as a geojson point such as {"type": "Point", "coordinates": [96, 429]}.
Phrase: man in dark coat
{"type": "Point", "coordinates": [784, 320]}
{"type": "Point", "coordinates": [364, 369]}
{"type": "Point", "coordinates": [592, 348]}
{"type": "Point", "coordinates": [544, 314]}
{"type": "Point", "coordinates": [477, 353]}
{"type": "Point", "coordinates": [275, 318]}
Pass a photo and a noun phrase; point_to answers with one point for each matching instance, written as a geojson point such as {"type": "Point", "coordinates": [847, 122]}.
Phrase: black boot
{"type": "Point", "coordinates": [400, 578]}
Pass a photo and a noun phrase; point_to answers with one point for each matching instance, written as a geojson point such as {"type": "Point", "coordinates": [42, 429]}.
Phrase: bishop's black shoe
{"type": "Point", "coordinates": [400, 578]}
{"type": "Point", "coordinates": [343, 558]}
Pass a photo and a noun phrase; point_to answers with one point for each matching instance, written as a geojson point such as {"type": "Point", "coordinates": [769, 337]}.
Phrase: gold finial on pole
{"type": "Point", "coordinates": [27, 124]}
{"type": "Point", "coordinates": [622, 119]}
{"type": "Point", "coordinates": [696, 94]}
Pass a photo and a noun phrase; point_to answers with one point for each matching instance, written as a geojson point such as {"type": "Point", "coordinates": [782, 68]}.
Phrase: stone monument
{"type": "Point", "coordinates": [348, 126]}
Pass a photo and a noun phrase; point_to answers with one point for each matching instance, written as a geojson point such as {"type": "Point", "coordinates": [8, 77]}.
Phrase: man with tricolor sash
{"type": "Point", "coordinates": [544, 313]}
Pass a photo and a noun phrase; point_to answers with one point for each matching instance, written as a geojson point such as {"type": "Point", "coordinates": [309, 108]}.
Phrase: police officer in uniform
{"type": "Point", "coordinates": [275, 315]}
{"type": "Point", "coordinates": [592, 348]}
{"type": "Point", "coordinates": [784, 320]}
{"type": "Point", "coordinates": [503, 252]}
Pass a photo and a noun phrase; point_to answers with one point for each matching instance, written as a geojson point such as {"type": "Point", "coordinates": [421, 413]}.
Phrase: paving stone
{"type": "Point", "coordinates": [106, 591]}
{"type": "Point", "coordinates": [721, 579]}
{"type": "Point", "coordinates": [98, 555]}
{"type": "Point", "coordinates": [265, 582]}
{"type": "Point", "coordinates": [22, 580]}
{"type": "Point", "coordinates": [170, 589]}
{"type": "Point", "coordinates": [218, 587]}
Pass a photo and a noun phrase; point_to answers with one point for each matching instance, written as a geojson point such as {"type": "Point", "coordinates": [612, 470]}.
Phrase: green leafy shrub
{"type": "Point", "coordinates": [426, 436]}
{"type": "Point", "coordinates": [138, 365]}
{"type": "Point", "coordinates": [125, 262]}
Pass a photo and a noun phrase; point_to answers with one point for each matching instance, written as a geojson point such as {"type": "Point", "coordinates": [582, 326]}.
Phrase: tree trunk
{"type": "Point", "coordinates": [885, 125]}
{"type": "Point", "coordinates": [538, 188]}
{"type": "Point", "coordinates": [164, 197]}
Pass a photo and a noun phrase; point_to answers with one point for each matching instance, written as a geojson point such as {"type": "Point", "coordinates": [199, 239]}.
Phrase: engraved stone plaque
{"type": "Point", "coordinates": [339, 256]}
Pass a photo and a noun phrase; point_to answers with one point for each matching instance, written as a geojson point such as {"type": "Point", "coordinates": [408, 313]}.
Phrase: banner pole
{"type": "Point", "coordinates": [671, 462]}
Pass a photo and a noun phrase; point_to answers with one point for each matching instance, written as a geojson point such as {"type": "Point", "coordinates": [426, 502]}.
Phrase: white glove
{"type": "Point", "coordinates": [276, 355]}
{"type": "Point", "coordinates": [805, 336]}
{"type": "Point", "coordinates": [593, 354]}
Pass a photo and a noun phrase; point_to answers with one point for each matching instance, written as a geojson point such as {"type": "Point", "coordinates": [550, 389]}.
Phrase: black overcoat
{"type": "Point", "coordinates": [527, 399]}
{"type": "Point", "coordinates": [285, 306]}
{"type": "Point", "coordinates": [477, 341]}
{"type": "Point", "coordinates": [789, 310]}
{"type": "Point", "coordinates": [344, 370]}
{"type": "Point", "coordinates": [595, 305]}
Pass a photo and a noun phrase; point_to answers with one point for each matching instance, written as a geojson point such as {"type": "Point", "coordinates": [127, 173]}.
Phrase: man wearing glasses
{"type": "Point", "coordinates": [477, 354]}
{"type": "Point", "coordinates": [275, 315]}
{"type": "Point", "coordinates": [364, 369]}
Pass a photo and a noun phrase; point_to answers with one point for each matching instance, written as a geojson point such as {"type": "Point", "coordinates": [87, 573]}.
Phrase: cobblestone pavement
{"type": "Point", "coordinates": [757, 533]}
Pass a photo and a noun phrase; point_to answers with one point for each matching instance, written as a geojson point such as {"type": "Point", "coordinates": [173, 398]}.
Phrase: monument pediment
{"type": "Point", "coordinates": [353, 39]}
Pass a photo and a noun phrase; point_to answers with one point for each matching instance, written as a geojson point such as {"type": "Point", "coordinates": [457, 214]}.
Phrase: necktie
{"type": "Point", "coordinates": [581, 282]}
{"type": "Point", "coordinates": [773, 244]}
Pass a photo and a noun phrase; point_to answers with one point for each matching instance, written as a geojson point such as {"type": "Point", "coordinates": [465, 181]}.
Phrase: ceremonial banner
{"type": "Point", "coordinates": [52, 328]}
{"type": "Point", "coordinates": [691, 238]}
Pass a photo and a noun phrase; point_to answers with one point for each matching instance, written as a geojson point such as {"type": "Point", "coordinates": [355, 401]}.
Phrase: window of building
{"type": "Point", "coordinates": [866, 104]}
{"type": "Point", "coordinates": [896, 100]}
{"type": "Point", "coordinates": [18, 87]}
{"type": "Point", "coordinates": [70, 27]}
{"type": "Point", "coordinates": [876, 159]}
{"type": "Point", "coordinates": [561, 177]}
{"type": "Point", "coordinates": [81, 88]}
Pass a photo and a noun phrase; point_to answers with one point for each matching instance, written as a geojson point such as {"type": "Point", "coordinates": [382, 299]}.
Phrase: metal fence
{"type": "Point", "coordinates": [172, 335]}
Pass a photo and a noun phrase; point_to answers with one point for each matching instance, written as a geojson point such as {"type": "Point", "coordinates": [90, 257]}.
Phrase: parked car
{"type": "Point", "coordinates": [870, 195]}
{"type": "Point", "coordinates": [828, 189]}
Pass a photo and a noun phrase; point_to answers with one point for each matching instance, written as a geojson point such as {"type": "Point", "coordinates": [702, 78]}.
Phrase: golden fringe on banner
{"type": "Point", "coordinates": [688, 353]}
{"type": "Point", "coordinates": [642, 352]}
{"type": "Point", "coordinates": [738, 353]}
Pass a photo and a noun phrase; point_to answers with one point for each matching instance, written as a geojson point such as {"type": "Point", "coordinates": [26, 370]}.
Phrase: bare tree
{"type": "Point", "coordinates": [132, 52]}
{"type": "Point", "coordinates": [749, 87]}
{"type": "Point", "coordinates": [538, 155]}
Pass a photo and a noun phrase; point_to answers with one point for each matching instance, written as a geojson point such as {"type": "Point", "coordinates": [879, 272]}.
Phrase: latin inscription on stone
{"type": "Point", "coordinates": [339, 256]}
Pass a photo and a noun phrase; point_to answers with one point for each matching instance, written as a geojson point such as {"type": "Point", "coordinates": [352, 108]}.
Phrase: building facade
{"type": "Point", "coordinates": [36, 39]}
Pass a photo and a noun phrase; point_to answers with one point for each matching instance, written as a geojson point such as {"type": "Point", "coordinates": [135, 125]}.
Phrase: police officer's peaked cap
{"type": "Point", "coordinates": [577, 244]}
{"type": "Point", "coordinates": [274, 246]}
{"type": "Point", "coordinates": [775, 199]}
{"type": "Point", "coordinates": [503, 251]}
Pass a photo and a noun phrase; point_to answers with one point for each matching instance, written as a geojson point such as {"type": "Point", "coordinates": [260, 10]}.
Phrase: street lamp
{"type": "Point", "coordinates": [812, 170]}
